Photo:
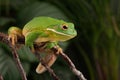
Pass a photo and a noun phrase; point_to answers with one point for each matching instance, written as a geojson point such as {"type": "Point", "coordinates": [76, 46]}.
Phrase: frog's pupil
{"type": "Point", "coordinates": [65, 27]}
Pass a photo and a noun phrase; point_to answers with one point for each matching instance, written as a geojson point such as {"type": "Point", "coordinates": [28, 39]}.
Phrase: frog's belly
{"type": "Point", "coordinates": [41, 39]}
{"type": "Point", "coordinates": [51, 39]}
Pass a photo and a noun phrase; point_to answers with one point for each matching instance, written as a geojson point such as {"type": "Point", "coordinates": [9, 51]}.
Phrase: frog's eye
{"type": "Point", "coordinates": [64, 27]}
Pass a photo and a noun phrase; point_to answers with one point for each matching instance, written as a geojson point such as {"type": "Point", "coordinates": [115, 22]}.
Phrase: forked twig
{"type": "Point", "coordinates": [4, 39]}
{"type": "Point", "coordinates": [16, 57]}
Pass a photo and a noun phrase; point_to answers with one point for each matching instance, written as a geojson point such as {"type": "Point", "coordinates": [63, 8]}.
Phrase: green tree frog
{"type": "Point", "coordinates": [44, 29]}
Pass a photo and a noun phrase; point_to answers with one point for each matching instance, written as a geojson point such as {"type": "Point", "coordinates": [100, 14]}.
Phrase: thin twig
{"type": "Point", "coordinates": [46, 66]}
{"type": "Point", "coordinates": [4, 39]}
{"type": "Point", "coordinates": [1, 77]}
{"type": "Point", "coordinates": [16, 57]}
{"type": "Point", "coordinates": [70, 63]}
{"type": "Point", "coordinates": [72, 66]}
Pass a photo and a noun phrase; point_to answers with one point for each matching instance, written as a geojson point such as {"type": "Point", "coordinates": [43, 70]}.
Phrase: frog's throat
{"type": "Point", "coordinates": [49, 29]}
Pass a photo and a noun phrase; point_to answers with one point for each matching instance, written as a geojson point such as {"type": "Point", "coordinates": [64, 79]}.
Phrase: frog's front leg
{"type": "Point", "coordinates": [30, 38]}
{"type": "Point", "coordinates": [55, 45]}
{"type": "Point", "coordinates": [13, 33]}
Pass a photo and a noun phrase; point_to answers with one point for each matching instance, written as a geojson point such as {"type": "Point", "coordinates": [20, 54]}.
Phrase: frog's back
{"type": "Point", "coordinates": [40, 23]}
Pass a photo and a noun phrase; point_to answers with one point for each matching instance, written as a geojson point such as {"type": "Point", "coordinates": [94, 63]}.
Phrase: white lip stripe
{"type": "Point", "coordinates": [56, 31]}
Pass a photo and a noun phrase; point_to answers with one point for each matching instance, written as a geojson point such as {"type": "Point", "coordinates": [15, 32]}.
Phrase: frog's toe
{"type": "Point", "coordinates": [13, 38]}
{"type": "Point", "coordinates": [59, 50]}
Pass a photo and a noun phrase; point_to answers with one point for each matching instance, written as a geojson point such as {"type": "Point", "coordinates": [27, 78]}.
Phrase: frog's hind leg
{"type": "Point", "coordinates": [49, 60]}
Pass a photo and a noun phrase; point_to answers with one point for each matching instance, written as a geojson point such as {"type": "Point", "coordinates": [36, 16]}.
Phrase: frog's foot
{"type": "Point", "coordinates": [54, 45]}
{"type": "Point", "coordinates": [49, 60]}
{"type": "Point", "coordinates": [14, 32]}
{"type": "Point", "coordinates": [13, 38]}
{"type": "Point", "coordinates": [59, 50]}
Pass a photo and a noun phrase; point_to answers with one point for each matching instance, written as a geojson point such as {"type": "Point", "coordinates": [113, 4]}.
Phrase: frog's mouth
{"type": "Point", "coordinates": [49, 29]}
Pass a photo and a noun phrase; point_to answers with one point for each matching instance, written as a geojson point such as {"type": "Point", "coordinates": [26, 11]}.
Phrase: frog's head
{"type": "Point", "coordinates": [63, 31]}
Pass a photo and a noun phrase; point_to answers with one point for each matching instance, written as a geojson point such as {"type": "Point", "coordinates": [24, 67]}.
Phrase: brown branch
{"type": "Point", "coordinates": [4, 39]}
{"type": "Point", "coordinates": [70, 63]}
{"type": "Point", "coordinates": [72, 66]}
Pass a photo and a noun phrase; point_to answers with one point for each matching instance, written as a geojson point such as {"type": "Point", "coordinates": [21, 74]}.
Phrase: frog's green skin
{"type": "Point", "coordinates": [44, 29]}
